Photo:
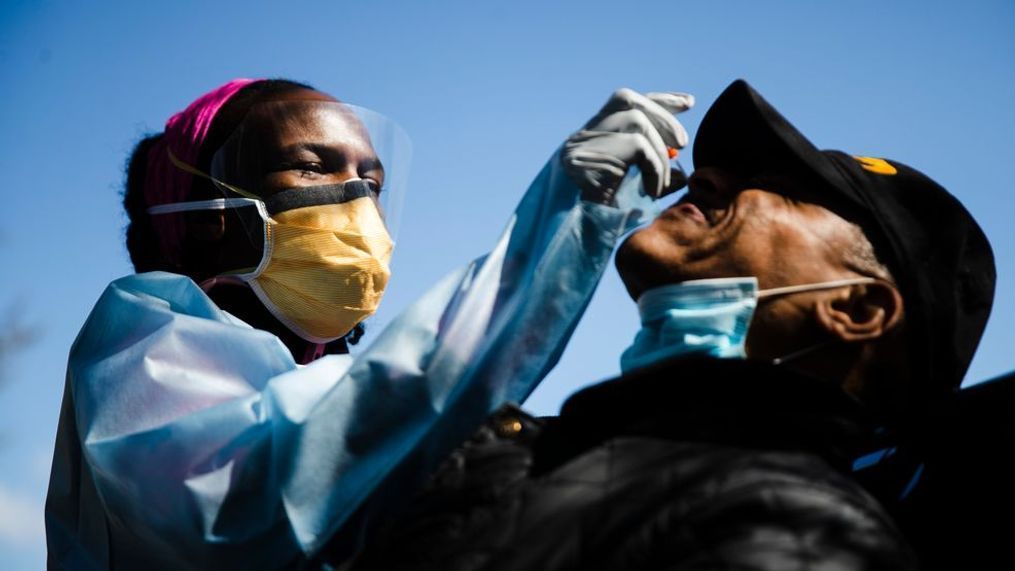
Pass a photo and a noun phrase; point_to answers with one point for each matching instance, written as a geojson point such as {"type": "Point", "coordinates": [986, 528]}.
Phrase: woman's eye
{"type": "Point", "coordinates": [308, 167]}
{"type": "Point", "coordinates": [375, 186]}
{"type": "Point", "coordinates": [303, 168]}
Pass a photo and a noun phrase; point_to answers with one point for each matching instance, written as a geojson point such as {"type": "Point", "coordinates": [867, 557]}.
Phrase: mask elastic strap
{"type": "Point", "coordinates": [810, 287]}
{"type": "Point", "coordinates": [213, 204]}
{"type": "Point", "coordinates": [814, 287]}
{"type": "Point", "coordinates": [209, 283]}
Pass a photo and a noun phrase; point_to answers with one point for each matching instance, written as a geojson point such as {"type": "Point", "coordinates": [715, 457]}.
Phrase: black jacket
{"type": "Point", "coordinates": [696, 464]}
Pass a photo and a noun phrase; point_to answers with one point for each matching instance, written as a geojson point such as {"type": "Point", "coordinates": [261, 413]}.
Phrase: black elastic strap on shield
{"type": "Point", "coordinates": [294, 198]}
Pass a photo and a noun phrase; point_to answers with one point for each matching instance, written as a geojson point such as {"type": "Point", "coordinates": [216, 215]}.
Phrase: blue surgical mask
{"type": "Point", "coordinates": [708, 318]}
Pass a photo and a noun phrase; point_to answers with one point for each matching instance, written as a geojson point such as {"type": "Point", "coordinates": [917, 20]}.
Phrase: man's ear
{"type": "Point", "coordinates": [860, 312]}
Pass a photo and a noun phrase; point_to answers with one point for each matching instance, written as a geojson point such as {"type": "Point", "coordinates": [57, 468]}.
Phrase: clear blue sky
{"type": "Point", "coordinates": [487, 91]}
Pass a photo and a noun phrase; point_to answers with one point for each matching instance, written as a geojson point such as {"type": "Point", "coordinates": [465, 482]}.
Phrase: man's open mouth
{"type": "Point", "coordinates": [691, 210]}
{"type": "Point", "coordinates": [701, 206]}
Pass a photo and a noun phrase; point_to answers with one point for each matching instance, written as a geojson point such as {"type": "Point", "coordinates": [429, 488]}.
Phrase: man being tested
{"type": "Point", "coordinates": [856, 288]}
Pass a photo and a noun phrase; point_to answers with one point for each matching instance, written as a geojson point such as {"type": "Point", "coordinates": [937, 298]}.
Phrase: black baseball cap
{"type": "Point", "coordinates": [939, 256]}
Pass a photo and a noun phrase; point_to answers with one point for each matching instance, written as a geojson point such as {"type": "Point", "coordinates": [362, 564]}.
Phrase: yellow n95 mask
{"type": "Point", "coordinates": [326, 264]}
{"type": "Point", "coordinates": [325, 256]}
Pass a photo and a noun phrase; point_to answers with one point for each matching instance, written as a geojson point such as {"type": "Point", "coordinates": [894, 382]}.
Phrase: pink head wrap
{"type": "Point", "coordinates": [164, 182]}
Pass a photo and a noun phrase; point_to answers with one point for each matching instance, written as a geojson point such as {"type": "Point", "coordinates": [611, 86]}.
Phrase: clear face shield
{"type": "Point", "coordinates": [292, 154]}
{"type": "Point", "coordinates": [311, 193]}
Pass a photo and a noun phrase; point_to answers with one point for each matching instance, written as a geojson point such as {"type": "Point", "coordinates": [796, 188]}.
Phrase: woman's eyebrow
{"type": "Point", "coordinates": [320, 149]}
{"type": "Point", "coordinates": [371, 164]}
{"type": "Point", "coordinates": [331, 153]}
{"type": "Point", "coordinates": [335, 157]}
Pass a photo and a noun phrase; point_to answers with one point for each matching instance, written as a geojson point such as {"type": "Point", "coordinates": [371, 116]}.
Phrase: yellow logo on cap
{"type": "Point", "coordinates": [874, 165]}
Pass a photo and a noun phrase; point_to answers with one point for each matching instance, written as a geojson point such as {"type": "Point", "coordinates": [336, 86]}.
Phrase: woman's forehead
{"type": "Point", "coordinates": [302, 121]}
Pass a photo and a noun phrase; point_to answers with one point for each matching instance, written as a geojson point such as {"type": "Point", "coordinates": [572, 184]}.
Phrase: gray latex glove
{"type": "Point", "coordinates": [631, 129]}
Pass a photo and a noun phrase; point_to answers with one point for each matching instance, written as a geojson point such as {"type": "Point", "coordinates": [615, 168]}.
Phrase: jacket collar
{"type": "Point", "coordinates": [743, 403]}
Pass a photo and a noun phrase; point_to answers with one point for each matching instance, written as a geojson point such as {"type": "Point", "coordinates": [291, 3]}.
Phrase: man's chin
{"type": "Point", "coordinates": [639, 264]}
{"type": "Point", "coordinates": [650, 258]}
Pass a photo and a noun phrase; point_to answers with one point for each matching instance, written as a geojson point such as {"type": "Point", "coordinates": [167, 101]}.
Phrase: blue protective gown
{"type": "Point", "coordinates": [189, 439]}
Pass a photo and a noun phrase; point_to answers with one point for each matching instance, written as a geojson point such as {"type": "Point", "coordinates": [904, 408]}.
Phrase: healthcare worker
{"type": "Point", "coordinates": [212, 416]}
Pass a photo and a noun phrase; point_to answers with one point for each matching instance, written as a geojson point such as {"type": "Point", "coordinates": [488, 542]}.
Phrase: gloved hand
{"type": "Point", "coordinates": [631, 129]}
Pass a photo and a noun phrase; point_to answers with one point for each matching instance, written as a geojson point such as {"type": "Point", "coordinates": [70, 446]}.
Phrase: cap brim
{"type": "Point", "coordinates": [743, 133]}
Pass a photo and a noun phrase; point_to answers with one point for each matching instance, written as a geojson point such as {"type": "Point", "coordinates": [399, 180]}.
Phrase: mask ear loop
{"type": "Point", "coordinates": [206, 285]}
{"type": "Point", "coordinates": [810, 287]}
{"type": "Point", "coordinates": [266, 230]}
{"type": "Point", "coordinates": [814, 287]}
